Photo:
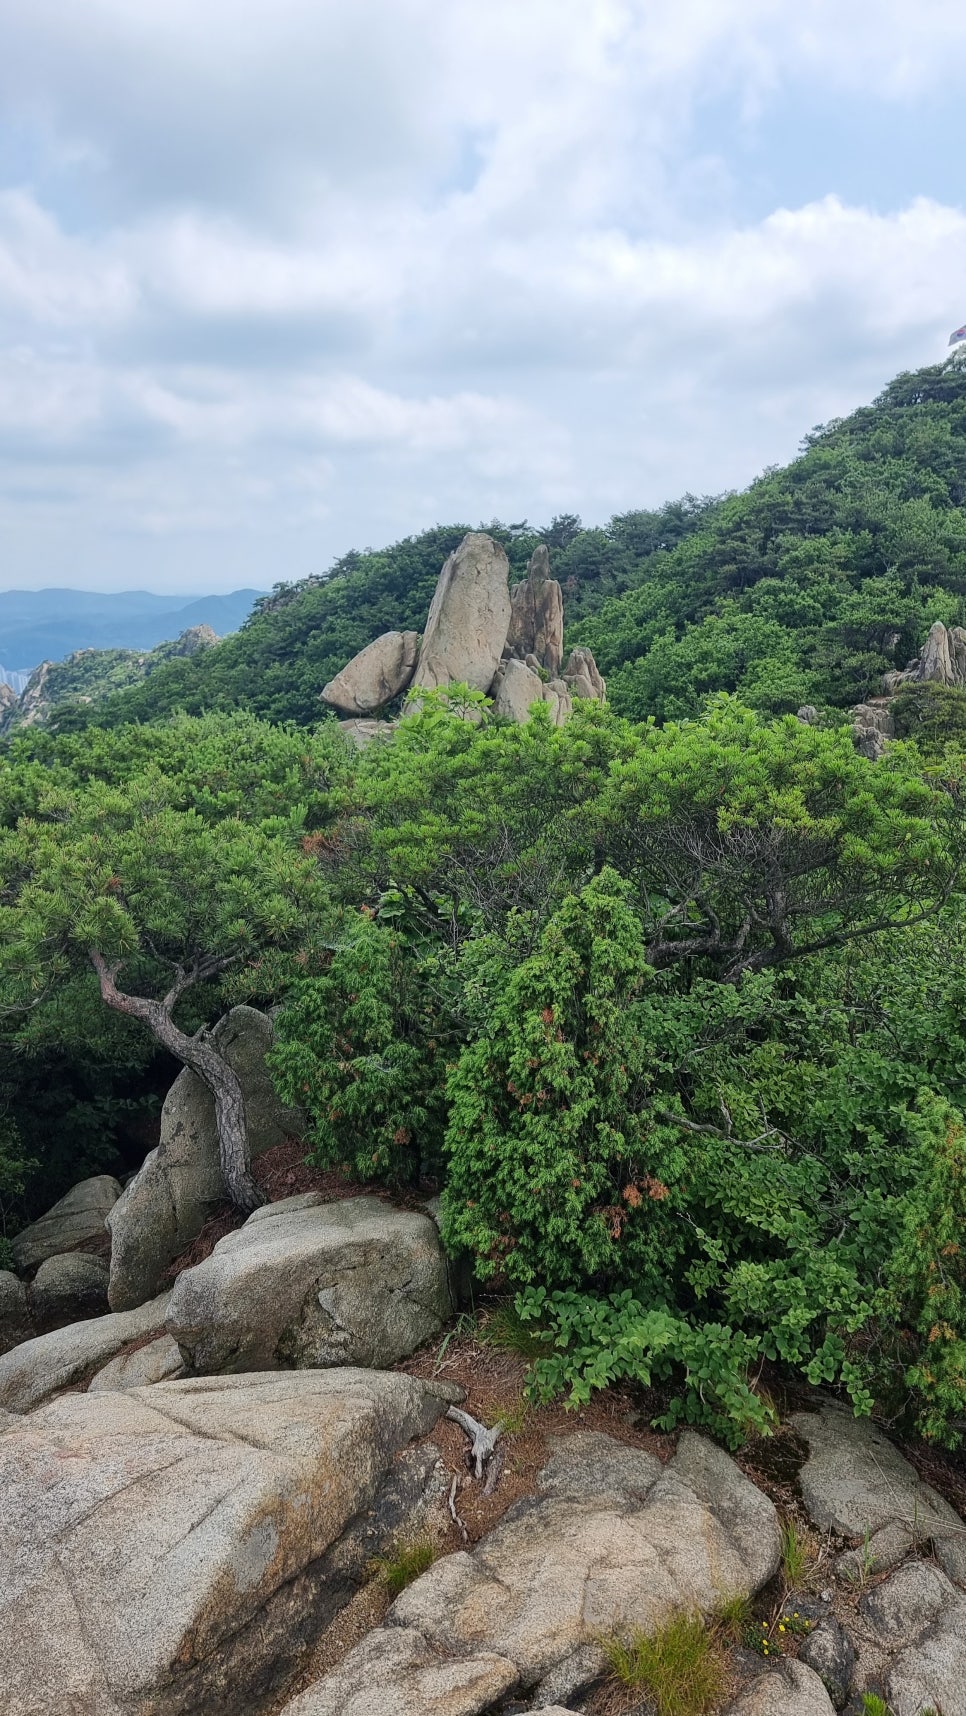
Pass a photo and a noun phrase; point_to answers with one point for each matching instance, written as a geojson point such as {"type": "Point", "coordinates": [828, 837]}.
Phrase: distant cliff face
{"type": "Point", "coordinates": [89, 675]}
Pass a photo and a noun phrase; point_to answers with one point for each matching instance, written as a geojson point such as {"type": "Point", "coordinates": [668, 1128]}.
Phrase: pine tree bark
{"type": "Point", "coordinates": [210, 1067]}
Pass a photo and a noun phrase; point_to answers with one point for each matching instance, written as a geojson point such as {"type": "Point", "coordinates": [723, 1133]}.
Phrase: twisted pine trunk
{"type": "Point", "coordinates": [211, 1068]}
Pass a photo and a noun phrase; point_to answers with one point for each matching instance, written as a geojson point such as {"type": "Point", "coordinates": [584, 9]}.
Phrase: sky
{"type": "Point", "coordinates": [281, 278]}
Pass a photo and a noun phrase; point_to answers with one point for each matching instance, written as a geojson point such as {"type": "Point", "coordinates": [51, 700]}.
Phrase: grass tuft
{"type": "Point", "coordinates": [873, 1705]}
{"type": "Point", "coordinates": [678, 1667]}
{"type": "Point", "coordinates": [506, 1330]}
{"type": "Point", "coordinates": [796, 1554]}
{"type": "Point", "coordinates": [406, 1562]}
{"type": "Point", "coordinates": [732, 1618]}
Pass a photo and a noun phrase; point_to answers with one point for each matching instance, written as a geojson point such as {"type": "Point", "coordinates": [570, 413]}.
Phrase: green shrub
{"type": "Point", "coordinates": [405, 1562]}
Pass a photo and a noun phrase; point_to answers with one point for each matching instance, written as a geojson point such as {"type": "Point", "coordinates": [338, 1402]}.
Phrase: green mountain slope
{"type": "Point", "coordinates": [805, 588]}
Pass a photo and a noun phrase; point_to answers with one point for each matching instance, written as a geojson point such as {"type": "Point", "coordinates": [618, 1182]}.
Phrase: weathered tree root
{"type": "Point", "coordinates": [483, 1442]}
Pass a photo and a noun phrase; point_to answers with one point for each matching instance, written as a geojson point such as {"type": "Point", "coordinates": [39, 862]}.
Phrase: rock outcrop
{"type": "Point", "coordinates": [306, 1283]}
{"type": "Point", "coordinates": [39, 1368]}
{"type": "Point", "coordinates": [537, 615]}
{"type": "Point", "coordinates": [517, 686]}
{"type": "Point", "coordinates": [68, 1287]}
{"type": "Point", "coordinates": [941, 661]}
{"type": "Point", "coordinates": [375, 676]}
{"type": "Point", "coordinates": [16, 1323]}
{"type": "Point", "coordinates": [468, 618]}
{"type": "Point", "coordinates": [178, 1185]}
{"type": "Point", "coordinates": [583, 677]}
{"type": "Point", "coordinates": [613, 1540]}
{"type": "Point", "coordinates": [856, 1482]}
{"type": "Point", "coordinates": [79, 1216]}
{"type": "Point", "coordinates": [872, 728]}
{"type": "Point", "coordinates": [164, 1548]}
{"type": "Point", "coordinates": [477, 634]}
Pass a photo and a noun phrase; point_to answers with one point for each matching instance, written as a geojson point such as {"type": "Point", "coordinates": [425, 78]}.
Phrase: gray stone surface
{"type": "Point", "coordinates": [16, 1323]}
{"type": "Point", "coordinates": [872, 728]}
{"type": "Point", "coordinates": [180, 1183]}
{"type": "Point", "coordinates": [362, 733]}
{"type": "Point", "coordinates": [830, 1652]}
{"type": "Point", "coordinates": [468, 618]}
{"type": "Point", "coordinates": [160, 1549]}
{"type": "Point", "coordinates": [791, 1689]}
{"type": "Point", "coordinates": [537, 615]}
{"type": "Point", "coordinates": [375, 676]}
{"type": "Point", "coordinates": [69, 1287]}
{"type": "Point", "coordinates": [570, 1679]}
{"type": "Point", "coordinates": [159, 1361]}
{"type": "Point", "coordinates": [78, 1216]}
{"type": "Point", "coordinates": [856, 1482]}
{"type": "Point", "coordinates": [612, 1540]}
{"type": "Point", "coordinates": [941, 661]}
{"type": "Point", "coordinates": [582, 676]}
{"type": "Point", "coordinates": [32, 1372]}
{"type": "Point", "coordinates": [515, 687]}
{"type": "Point", "coordinates": [916, 1623]}
{"type": "Point", "coordinates": [310, 1283]}
{"type": "Point", "coordinates": [396, 1671]}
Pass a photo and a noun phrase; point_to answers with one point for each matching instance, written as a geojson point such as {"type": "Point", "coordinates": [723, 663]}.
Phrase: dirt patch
{"type": "Point", "coordinates": [493, 1381]}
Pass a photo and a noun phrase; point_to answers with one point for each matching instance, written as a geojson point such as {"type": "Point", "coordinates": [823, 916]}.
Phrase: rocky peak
{"type": "Point", "coordinates": [537, 617]}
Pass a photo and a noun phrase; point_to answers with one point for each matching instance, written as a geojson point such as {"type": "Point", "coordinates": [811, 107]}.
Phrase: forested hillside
{"type": "Point", "coordinates": [669, 1011]}
{"type": "Point", "coordinates": [803, 589]}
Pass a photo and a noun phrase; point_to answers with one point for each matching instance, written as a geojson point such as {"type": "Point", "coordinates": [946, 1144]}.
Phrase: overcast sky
{"type": "Point", "coordinates": [279, 278]}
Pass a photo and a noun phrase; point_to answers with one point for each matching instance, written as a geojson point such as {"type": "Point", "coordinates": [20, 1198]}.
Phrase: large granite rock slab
{"type": "Point", "coordinates": [310, 1283]}
{"type": "Point", "coordinates": [612, 1540]}
{"type": "Point", "coordinates": [468, 617]}
{"type": "Point", "coordinates": [39, 1368]}
{"type": "Point", "coordinates": [857, 1483]}
{"type": "Point", "coordinates": [537, 615]}
{"type": "Point", "coordinates": [69, 1287]}
{"type": "Point", "coordinates": [78, 1216]}
{"type": "Point", "coordinates": [163, 1551]}
{"type": "Point", "coordinates": [16, 1323]}
{"type": "Point", "coordinates": [375, 676]}
{"type": "Point", "coordinates": [180, 1183]}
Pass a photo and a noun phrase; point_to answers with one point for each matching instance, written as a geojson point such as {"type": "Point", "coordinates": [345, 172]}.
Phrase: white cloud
{"type": "Point", "coordinates": [336, 272]}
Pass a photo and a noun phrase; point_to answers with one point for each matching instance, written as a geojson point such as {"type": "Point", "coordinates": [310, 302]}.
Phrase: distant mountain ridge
{"type": "Point", "coordinates": [47, 625]}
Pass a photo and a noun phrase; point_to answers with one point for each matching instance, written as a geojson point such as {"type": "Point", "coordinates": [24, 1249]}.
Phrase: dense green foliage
{"type": "Point", "coordinates": [160, 847]}
{"type": "Point", "coordinates": [62, 692]}
{"type": "Point", "coordinates": [668, 1003]}
{"type": "Point", "coordinates": [678, 1012]}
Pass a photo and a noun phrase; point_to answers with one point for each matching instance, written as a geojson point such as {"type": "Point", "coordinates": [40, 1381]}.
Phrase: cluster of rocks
{"type": "Point", "coordinates": [506, 643]}
{"type": "Point", "coordinates": [194, 1484]}
{"type": "Point", "coordinates": [941, 661]}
